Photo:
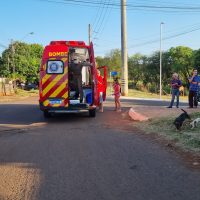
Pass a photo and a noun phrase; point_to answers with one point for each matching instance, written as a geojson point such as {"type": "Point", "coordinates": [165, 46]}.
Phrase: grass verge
{"type": "Point", "coordinates": [188, 139]}
{"type": "Point", "coordinates": [25, 93]}
{"type": "Point", "coordinates": [142, 94]}
{"type": "Point", "coordinates": [20, 94]}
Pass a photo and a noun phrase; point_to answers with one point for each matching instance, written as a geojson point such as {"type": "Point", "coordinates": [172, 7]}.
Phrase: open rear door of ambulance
{"type": "Point", "coordinates": [95, 96]}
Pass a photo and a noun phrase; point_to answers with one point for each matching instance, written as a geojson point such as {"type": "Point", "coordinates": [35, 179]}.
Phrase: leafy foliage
{"type": "Point", "coordinates": [112, 60]}
{"type": "Point", "coordinates": [182, 61]}
{"type": "Point", "coordinates": [145, 70]}
{"type": "Point", "coordinates": [21, 61]}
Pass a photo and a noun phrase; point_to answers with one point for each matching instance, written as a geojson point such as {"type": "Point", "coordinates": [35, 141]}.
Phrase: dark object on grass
{"type": "Point", "coordinates": [31, 86]}
{"type": "Point", "coordinates": [180, 119]}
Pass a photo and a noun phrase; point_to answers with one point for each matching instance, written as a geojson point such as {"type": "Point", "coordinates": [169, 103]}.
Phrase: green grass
{"type": "Point", "coordinates": [142, 94]}
{"type": "Point", "coordinates": [146, 95]}
{"type": "Point", "coordinates": [187, 138]}
{"type": "Point", "coordinates": [25, 93]}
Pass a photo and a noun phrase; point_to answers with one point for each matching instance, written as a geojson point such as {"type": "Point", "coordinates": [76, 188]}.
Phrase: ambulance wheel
{"type": "Point", "coordinates": [46, 114]}
{"type": "Point", "coordinates": [92, 113]}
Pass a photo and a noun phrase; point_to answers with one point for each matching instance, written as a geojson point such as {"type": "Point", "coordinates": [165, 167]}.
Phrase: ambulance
{"type": "Point", "coordinates": [68, 79]}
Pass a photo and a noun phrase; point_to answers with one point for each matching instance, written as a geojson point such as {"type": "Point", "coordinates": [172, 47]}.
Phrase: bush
{"type": "Point", "coordinates": [166, 89]}
{"type": "Point", "coordinates": [153, 88]}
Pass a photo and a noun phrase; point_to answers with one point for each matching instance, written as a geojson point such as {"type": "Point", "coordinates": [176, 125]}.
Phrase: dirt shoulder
{"type": "Point", "coordinates": [20, 95]}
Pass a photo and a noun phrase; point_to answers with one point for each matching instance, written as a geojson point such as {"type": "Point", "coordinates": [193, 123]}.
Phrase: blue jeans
{"type": "Point", "coordinates": [175, 92]}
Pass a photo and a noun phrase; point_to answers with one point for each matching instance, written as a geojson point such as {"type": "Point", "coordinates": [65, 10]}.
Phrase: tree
{"type": "Point", "coordinates": [146, 70]}
{"type": "Point", "coordinates": [136, 67]}
{"type": "Point", "coordinates": [22, 61]}
{"type": "Point", "coordinates": [1, 66]}
{"type": "Point", "coordinates": [167, 70]}
{"type": "Point", "coordinates": [197, 59]}
{"type": "Point", "coordinates": [34, 63]}
{"type": "Point", "coordinates": [152, 72]}
{"type": "Point", "coordinates": [182, 61]}
{"type": "Point", "coordinates": [112, 60]}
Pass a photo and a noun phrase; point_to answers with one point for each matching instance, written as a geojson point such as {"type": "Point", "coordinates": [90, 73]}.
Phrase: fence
{"type": "Point", "coordinates": [6, 87]}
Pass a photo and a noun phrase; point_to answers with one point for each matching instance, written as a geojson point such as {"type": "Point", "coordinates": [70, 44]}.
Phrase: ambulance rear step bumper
{"type": "Point", "coordinates": [68, 111]}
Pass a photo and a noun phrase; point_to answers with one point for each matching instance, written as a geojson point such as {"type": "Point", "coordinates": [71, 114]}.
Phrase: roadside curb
{"type": "Point", "coordinates": [144, 99]}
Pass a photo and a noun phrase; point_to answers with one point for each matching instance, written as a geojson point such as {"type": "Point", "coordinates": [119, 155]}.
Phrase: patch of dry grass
{"type": "Point", "coordinates": [20, 94]}
{"type": "Point", "coordinates": [142, 94]}
{"type": "Point", "coordinates": [187, 138]}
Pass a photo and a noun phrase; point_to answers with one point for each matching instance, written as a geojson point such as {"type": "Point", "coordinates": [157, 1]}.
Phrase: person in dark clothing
{"type": "Point", "coordinates": [76, 69]}
{"type": "Point", "coordinates": [193, 90]}
{"type": "Point", "coordinates": [175, 84]}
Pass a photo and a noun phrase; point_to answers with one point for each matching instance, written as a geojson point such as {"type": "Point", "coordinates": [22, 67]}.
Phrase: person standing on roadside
{"type": "Point", "coordinates": [175, 85]}
{"type": "Point", "coordinates": [193, 89]}
{"type": "Point", "coordinates": [116, 87]}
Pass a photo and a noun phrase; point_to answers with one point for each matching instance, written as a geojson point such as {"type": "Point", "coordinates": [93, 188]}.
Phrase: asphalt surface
{"type": "Point", "coordinates": [75, 157]}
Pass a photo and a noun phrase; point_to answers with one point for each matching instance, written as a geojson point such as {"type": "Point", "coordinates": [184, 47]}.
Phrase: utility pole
{"type": "Point", "coordinates": [13, 63]}
{"type": "Point", "coordinates": [124, 67]}
{"type": "Point", "coordinates": [161, 59]}
{"type": "Point", "coordinates": [89, 33]}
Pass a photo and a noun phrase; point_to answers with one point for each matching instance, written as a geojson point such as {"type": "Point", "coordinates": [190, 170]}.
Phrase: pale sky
{"type": "Point", "coordinates": [68, 20]}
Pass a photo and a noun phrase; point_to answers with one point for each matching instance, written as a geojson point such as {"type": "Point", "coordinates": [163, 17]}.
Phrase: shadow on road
{"type": "Point", "coordinates": [26, 114]}
{"type": "Point", "coordinates": [77, 157]}
{"type": "Point", "coordinates": [56, 158]}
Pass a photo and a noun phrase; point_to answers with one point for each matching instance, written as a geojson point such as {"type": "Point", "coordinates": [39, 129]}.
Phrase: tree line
{"type": "Point", "coordinates": [144, 71]}
{"type": "Point", "coordinates": [22, 61]}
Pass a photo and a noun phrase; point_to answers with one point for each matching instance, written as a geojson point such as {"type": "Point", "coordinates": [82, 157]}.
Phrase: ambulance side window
{"type": "Point", "coordinates": [55, 67]}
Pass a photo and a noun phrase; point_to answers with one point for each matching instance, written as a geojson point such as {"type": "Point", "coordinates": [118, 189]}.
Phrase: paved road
{"type": "Point", "coordinates": [81, 158]}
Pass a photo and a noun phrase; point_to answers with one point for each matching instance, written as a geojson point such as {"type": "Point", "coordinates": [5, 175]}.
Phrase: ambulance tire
{"type": "Point", "coordinates": [46, 114]}
{"type": "Point", "coordinates": [92, 113]}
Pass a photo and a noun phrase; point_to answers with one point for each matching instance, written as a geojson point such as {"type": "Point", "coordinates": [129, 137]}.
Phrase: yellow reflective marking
{"type": "Point", "coordinates": [52, 84]}
{"type": "Point", "coordinates": [45, 78]}
{"type": "Point", "coordinates": [56, 105]}
{"type": "Point", "coordinates": [65, 95]}
{"type": "Point", "coordinates": [46, 103]}
{"type": "Point", "coordinates": [59, 89]}
{"type": "Point", "coordinates": [64, 59]}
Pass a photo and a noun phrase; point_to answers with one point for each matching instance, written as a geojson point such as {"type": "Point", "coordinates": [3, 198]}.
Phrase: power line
{"type": "Point", "coordinates": [99, 18]}
{"type": "Point", "coordinates": [165, 38]}
{"type": "Point", "coordinates": [137, 6]}
{"type": "Point", "coordinates": [3, 46]}
{"type": "Point", "coordinates": [166, 8]}
{"type": "Point", "coordinates": [103, 21]}
{"type": "Point", "coordinates": [97, 14]}
{"type": "Point", "coordinates": [103, 27]}
{"type": "Point", "coordinates": [184, 28]}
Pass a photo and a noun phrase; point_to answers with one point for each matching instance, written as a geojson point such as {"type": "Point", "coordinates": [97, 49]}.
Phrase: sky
{"type": "Point", "coordinates": [68, 20]}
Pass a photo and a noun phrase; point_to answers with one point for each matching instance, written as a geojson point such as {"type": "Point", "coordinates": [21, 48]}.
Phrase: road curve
{"type": "Point", "coordinates": [75, 157]}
